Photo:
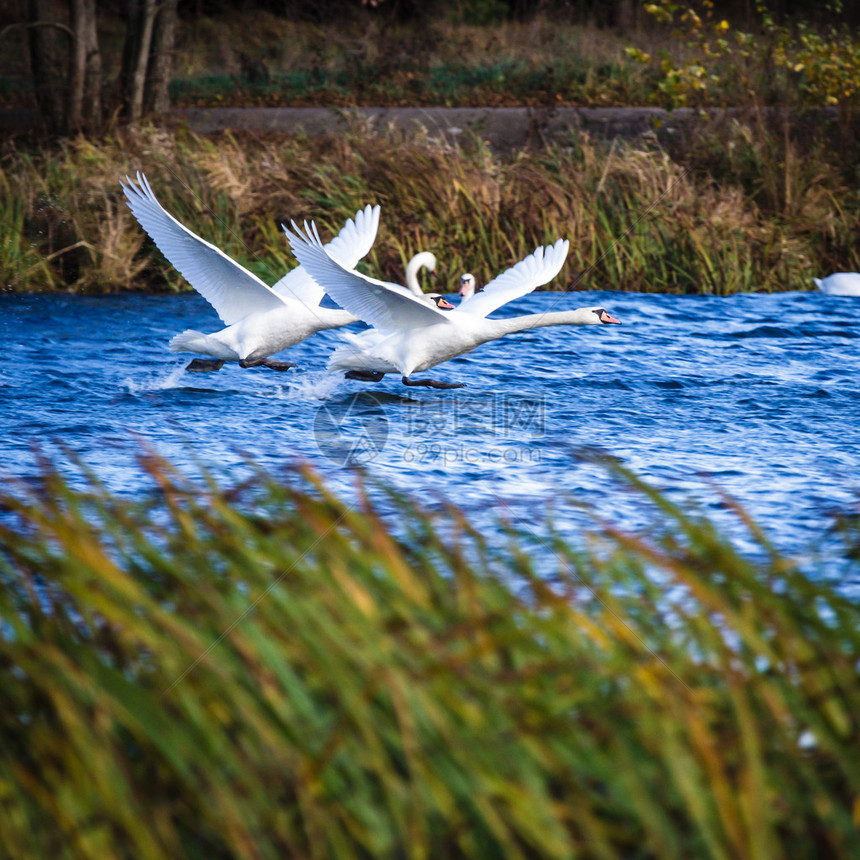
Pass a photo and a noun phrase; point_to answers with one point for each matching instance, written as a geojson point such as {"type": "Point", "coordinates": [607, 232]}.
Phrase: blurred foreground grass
{"type": "Point", "coordinates": [259, 671]}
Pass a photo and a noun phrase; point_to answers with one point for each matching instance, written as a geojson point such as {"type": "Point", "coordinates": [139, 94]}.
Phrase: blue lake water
{"type": "Point", "coordinates": [754, 395]}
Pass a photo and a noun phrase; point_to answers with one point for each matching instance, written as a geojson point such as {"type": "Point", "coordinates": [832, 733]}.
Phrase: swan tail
{"type": "Point", "coordinates": [349, 357]}
{"type": "Point", "coordinates": [187, 341]}
{"type": "Point", "coordinates": [817, 282]}
{"type": "Point", "coordinates": [195, 341]}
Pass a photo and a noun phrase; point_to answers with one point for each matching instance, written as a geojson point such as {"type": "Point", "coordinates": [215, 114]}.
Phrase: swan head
{"type": "Point", "coordinates": [594, 316]}
{"type": "Point", "coordinates": [440, 301]}
{"type": "Point", "coordinates": [422, 260]}
{"type": "Point", "coordinates": [467, 285]}
{"type": "Point", "coordinates": [604, 317]}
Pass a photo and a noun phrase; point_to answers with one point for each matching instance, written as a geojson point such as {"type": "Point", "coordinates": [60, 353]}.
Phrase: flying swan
{"type": "Point", "coordinates": [260, 320]}
{"type": "Point", "coordinates": [839, 284]}
{"type": "Point", "coordinates": [410, 334]}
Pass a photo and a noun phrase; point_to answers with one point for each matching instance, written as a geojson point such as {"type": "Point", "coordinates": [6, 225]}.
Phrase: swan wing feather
{"type": "Point", "coordinates": [349, 246]}
{"type": "Point", "coordinates": [539, 268]}
{"type": "Point", "coordinates": [386, 306]}
{"type": "Point", "coordinates": [230, 288]}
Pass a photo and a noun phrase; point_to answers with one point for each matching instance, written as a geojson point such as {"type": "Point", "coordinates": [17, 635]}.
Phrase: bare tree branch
{"type": "Point", "coordinates": [29, 25]}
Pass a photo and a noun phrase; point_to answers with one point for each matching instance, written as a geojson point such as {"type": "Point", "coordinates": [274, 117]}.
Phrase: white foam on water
{"type": "Point", "coordinates": [309, 386]}
{"type": "Point", "coordinates": [171, 379]}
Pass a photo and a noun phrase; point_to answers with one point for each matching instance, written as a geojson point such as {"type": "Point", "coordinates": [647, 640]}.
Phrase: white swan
{"type": "Point", "coordinates": [260, 321]}
{"type": "Point", "coordinates": [839, 284]}
{"type": "Point", "coordinates": [422, 260]}
{"type": "Point", "coordinates": [413, 335]}
{"type": "Point", "coordinates": [467, 286]}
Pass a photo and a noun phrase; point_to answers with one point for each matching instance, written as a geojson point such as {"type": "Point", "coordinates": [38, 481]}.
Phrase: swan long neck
{"type": "Point", "coordinates": [412, 276]}
{"type": "Point", "coordinates": [424, 260]}
{"type": "Point", "coordinates": [581, 316]}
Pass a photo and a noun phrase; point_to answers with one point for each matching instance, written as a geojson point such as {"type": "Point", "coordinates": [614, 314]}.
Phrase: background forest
{"type": "Point", "coordinates": [758, 200]}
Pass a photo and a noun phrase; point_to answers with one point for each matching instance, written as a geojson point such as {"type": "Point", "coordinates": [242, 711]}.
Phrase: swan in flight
{"type": "Point", "coordinates": [410, 334]}
{"type": "Point", "coordinates": [422, 260]}
{"type": "Point", "coordinates": [260, 320]}
{"type": "Point", "coordinates": [839, 284]}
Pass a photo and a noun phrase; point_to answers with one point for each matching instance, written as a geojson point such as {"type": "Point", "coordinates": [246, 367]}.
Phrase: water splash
{"type": "Point", "coordinates": [172, 379]}
{"type": "Point", "coordinates": [309, 386]}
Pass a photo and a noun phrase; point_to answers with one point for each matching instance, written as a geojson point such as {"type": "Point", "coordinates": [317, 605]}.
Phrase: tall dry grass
{"type": "Point", "coordinates": [739, 207]}
{"type": "Point", "coordinates": [261, 671]}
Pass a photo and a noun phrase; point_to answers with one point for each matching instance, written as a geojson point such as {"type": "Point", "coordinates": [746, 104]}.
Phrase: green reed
{"type": "Point", "coordinates": [730, 208]}
{"type": "Point", "coordinates": [260, 670]}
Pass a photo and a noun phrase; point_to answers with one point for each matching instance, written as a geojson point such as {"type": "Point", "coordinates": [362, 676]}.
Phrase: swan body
{"type": "Point", "coordinates": [259, 320]}
{"type": "Point", "coordinates": [375, 351]}
{"type": "Point", "coordinates": [410, 335]}
{"type": "Point", "coordinates": [839, 284]}
{"type": "Point", "coordinates": [422, 260]}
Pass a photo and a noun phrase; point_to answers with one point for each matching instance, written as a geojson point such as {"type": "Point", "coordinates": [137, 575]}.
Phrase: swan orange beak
{"type": "Point", "coordinates": [606, 318]}
{"type": "Point", "coordinates": [445, 305]}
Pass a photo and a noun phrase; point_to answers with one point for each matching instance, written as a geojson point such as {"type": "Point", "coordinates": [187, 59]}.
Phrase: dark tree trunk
{"type": "Point", "coordinates": [138, 42]}
{"type": "Point", "coordinates": [49, 84]}
{"type": "Point", "coordinates": [160, 71]}
{"type": "Point", "coordinates": [137, 82]}
{"type": "Point", "coordinates": [85, 97]}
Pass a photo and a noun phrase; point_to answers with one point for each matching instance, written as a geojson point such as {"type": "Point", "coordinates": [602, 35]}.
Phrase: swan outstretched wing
{"type": "Point", "coordinates": [388, 307]}
{"type": "Point", "coordinates": [231, 289]}
{"type": "Point", "coordinates": [534, 271]}
{"type": "Point", "coordinates": [352, 243]}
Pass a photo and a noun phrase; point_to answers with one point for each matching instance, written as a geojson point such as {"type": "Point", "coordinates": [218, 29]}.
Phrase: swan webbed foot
{"type": "Point", "coordinates": [204, 365]}
{"type": "Point", "coordinates": [271, 363]}
{"type": "Point", "coordinates": [364, 375]}
{"type": "Point", "coordinates": [432, 383]}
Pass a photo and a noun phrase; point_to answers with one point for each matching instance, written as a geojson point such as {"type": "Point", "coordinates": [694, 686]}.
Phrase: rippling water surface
{"type": "Point", "coordinates": [754, 395]}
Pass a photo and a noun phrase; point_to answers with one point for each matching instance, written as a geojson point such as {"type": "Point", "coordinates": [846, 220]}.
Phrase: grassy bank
{"type": "Point", "coordinates": [733, 208]}
{"type": "Point", "coordinates": [259, 671]}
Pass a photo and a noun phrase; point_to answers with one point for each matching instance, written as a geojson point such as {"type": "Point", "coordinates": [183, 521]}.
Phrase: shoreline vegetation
{"type": "Point", "coordinates": [764, 200]}
{"type": "Point", "coordinates": [722, 209]}
{"type": "Point", "coordinates": [260, 670]}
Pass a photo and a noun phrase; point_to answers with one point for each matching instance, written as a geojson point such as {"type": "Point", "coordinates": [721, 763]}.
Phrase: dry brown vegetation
{"type": "Point", "coordinates": [639, 216]}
